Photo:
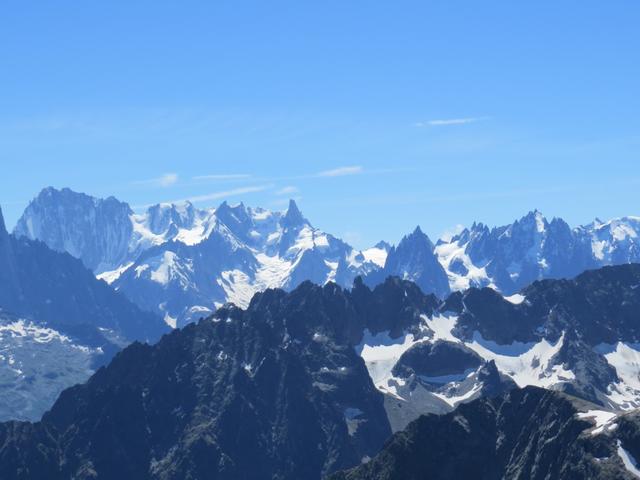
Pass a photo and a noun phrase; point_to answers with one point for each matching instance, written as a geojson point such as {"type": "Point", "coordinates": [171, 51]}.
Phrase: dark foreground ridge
{"type": "Point", "coordinates": [530, 433]}
{"type": "Point", "coordinates": [279, 391]}
{"type": "Point", "coordinates": [276, 391]}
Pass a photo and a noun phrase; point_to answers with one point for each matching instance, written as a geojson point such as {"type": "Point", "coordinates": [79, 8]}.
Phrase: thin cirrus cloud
{"type": "Point", "coordinates": [163, 181]}
{"type": "Point", "coordinates": [289, 190]}
{"type": "Point", "coordinates": [335, 172]}
{"type": "Point", "coordinates": [341, 171]}
{"type": "Point", "coordinates": [227, 176]}
{"type": "Point", "coordinates": [214, 195]}
{"type": "Point", "coordinates": [450, 121]}
{"type": "Point", "coordinates": [226, 193]}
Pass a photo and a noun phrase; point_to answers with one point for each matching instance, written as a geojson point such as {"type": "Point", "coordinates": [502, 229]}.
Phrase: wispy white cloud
{"type": "Point", "coordinates": [228, 176]}
{"type": "Point", "coordinates": [228, 193]}
{"type": "Point", "coordinates": [341, 171]}
{"type": "Point", "coordinates": [213, 195]}
{"type": "Point", "coordinates": [163, 181]}
{"type": "Point", "coordinates": [450, 121]}
{"type": "Point", "coordinates": [289, 190]}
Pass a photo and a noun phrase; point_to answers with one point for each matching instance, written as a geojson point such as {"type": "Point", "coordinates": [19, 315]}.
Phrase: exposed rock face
{"type": "Point", "coordinates": [97, 231]}
{"type": "Point", "coordinates": [325, 375]}
{"type": "Point", "coordinates": [438, 359]}
{"type": "Point", "coordinates": [265, 393]}
{"type": "Point", "coordinates": [414, 259]}
{"type": "Point", "coordinates": [525, 434]}
{"type": "Point", "coordinates": [512, 256]}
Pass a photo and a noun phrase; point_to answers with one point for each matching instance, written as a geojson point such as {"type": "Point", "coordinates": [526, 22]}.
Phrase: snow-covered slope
{"type": "Point", "coordinates": [242, 251]}
{"type": "Point", "coordinates": [183, 262]}
{"type": "Point", "coordinates": [578, 336]}
{"type": "Point", "coordinates": [36, 364]}
{"type": "Point", "coordinates": [510, 257]}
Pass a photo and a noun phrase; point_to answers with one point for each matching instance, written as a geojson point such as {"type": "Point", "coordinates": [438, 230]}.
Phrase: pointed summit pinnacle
{"type": "Point", "coordinates": [293, 217]}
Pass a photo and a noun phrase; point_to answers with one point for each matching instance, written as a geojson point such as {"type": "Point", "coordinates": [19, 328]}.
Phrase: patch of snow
{"type": "Point", "coordinates": [380, 353]}
{"type": "Point", "coordinates": [598, 248]}
{"type": "Point", "coordinates": [36, 364]}
{"type": "Point", "coordinates": [540, 222]}
{"type": "Point", "coordinates": [113, 275]}
{"type": "Point", "coordinates": [601, 418]}
{"type": "Point", "coordinates": [375, 255]}
{"type": "Point", "coordinates": [627, 459]}
{"type": "Point", "coordinates": [441, 326]}
{"type": "Point", "coordinates": [171, 321]}
{"type": "Point", "coordinates": [448, 253]}
{"type": "Point", "coordinates": [516, 299]}
{"type": "Point", "coordinates": [333, 268]}
{"type": "Point", "coordinates": [161, 274]}
{"type": "Point", "coordinates": [625, 358]}
{"type": "Point", "coordinates": [454, 400]}
{"type": "Point", "coordinates": [140, 269]}
{"type": "Point", "coordinates": [273, 271]}
{"type": "Point", "coordinates": [525, 363]}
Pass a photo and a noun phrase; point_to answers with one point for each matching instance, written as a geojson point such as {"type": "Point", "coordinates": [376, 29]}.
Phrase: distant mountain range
{"type": "Point", "coordinates": [182, 262]}
{"type": "Point", "coordinates": [296, 345]}
{"type": "Point", "coordinates": [306, 383]}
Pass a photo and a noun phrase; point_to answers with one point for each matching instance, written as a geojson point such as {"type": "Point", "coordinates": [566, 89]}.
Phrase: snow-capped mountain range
{"type": "Point", "coordinates": [183, 262]}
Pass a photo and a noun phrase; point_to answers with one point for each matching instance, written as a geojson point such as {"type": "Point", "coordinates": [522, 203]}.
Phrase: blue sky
{"type": "Point", "coordinates": [377, 116]}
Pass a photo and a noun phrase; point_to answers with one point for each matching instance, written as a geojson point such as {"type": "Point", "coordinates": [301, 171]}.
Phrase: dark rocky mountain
{"type": "Point", "coordinates": [600, 305]}
{"type": "Point", "coordinates": [578, 336]}
{"type": "Point", "coordinates": [528, 433]}
{"type": "Point", "coordinates": [276, 391]}
{"type": "Point", "coordinates": [306, 383]}
{"type": "Point", "coordinates": [437, 359]}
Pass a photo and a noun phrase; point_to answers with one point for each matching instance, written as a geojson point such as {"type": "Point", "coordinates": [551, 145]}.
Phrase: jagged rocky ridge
{"type": "Point", "coordinates": [57, 324]}
{"type": "Point", "coordinates": [578, 336]}
{"type": "Point", "coordinates": [276, 391]}
{"type": "Point", "coordinates": [524, 434]}
{"type": "Point", "coordinates": [182, 262]}
{"type": "Point", "coordinates": [325, 374]}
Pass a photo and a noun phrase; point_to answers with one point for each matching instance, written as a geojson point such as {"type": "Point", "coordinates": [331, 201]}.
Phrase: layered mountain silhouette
{"type": "Point", "coordinates": [306, 383]}
{"type": "Point", "coordinates": [182, 262]}
{"type": "Point", "coordinates": [53, 307]}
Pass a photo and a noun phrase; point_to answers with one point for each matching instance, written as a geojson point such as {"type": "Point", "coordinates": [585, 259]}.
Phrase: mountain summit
{"type": "Point", "coordinates": [183, 262]}
{"type": "Point", "coordinates": [293, 217]}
